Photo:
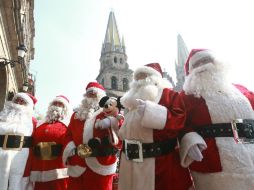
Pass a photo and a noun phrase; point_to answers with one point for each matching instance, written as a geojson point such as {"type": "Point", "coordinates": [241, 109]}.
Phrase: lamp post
{"type": "Point", "coordinates": [21, 53]}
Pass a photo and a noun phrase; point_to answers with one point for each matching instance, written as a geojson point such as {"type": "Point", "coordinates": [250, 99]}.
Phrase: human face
{"type": "Point", "coordinates": [141, 76]}
{"type": "Point", "coordinates": [20, 101]}
{"type": "Point", "coordinates": [58, 104]}
{"type": "Point", "coordinates": [91, 94]}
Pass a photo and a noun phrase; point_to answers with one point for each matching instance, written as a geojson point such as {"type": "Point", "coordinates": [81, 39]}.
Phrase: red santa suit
{"type": "Point", "coordinates": [13, 162]}
{"type": "Point", "coordinates": [50, 172]}
{"type": "Point", "coordinates": [225, 164]}
{"type": "Point", "coordinates": [161, 121]}
{"type": "Point", "coordinates": [91, 173]}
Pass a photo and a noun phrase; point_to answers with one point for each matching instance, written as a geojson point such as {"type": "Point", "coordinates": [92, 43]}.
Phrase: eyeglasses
{"type": "Point", "coordinates": [202, 61]}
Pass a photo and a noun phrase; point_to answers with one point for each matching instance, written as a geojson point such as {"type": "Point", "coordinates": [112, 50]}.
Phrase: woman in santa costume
{"type": "Point", "coordinates": [47, 169]}
{"type": "Point", "coordinates": [211, 148]}
{"type": "Point", "coordinates": [155, 116]}
{"type": "Point", "coordinates": [16, 128]}
{"type": "Point", "coordinates": [89, 155]}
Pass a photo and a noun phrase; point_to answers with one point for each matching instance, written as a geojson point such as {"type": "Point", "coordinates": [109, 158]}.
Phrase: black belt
{"type": "Point", "coordinates": [50, 152]}
{"type": "Point", "coordinates": [136, 151]}
{"type": "Point", "coordinates": [243, 127]}
{"type": "Point", "coordinates": [15, 141]}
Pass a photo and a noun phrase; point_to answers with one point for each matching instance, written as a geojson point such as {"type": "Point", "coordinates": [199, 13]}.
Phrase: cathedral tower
{"type": "Point", "coordinates": [115, 74]}
{"type": "Point", "coordinates": [182, 55]}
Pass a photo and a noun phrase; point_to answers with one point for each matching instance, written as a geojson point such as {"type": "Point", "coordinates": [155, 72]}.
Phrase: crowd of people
{"type": "Point", "coordinates": [200, 138]}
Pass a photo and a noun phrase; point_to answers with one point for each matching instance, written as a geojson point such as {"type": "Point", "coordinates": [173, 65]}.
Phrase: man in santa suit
{"type": "Point", "coordinates": [16, 128]}
{"type": "Point", "coordinates": [89, 155]}
{"type": "Point", "coordinates": [155, 115]}
{"type": "Point", "coordinates": [47, 169]}
{"type": "Point", "coordinates": [213, 104]}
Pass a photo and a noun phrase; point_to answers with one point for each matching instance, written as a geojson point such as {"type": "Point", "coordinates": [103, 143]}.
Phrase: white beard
{"type": "Point", "coordinates": [147, 89]}
{"type": "Point", "coordinates": [15, 113]}
{"type": "Point", "coordinates": [55, 113]}
{"type": "Point", "coordinates": [207, 79]}
{"type": "Point", "coordinates": [87, 108]}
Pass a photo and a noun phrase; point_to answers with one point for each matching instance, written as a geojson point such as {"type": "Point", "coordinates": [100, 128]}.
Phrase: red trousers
{"type": "Point", "coordinates": [59, 184]}
{"type": "Point", "coordinates": [90, 180]}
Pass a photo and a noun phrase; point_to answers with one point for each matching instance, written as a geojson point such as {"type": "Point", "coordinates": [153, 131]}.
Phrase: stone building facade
{"type": "Point", "coordinates": [16, 28]}
{"type": "Point", "coordinates": [114, 74]}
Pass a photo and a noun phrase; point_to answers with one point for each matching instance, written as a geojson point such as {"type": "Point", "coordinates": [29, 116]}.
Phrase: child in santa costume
{"type": "Point", "coordinates": [89, 155]}
{"type": "Point", "coordinates": [155, 116]}
{"type": "Point", "coordinates": [16, 128]}
{"type": "Point", "coordinates": [47, 169]}
{"type": "Point", "coordinates": [213, 104]}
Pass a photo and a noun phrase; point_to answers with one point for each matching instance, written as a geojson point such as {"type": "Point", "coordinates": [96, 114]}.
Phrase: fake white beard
{"type": "Point", "coordinates": [55, 113]}
{"type": "Point", "coordinates": [87, 108]}
{"type": "Point", "coordinates": [208, 79]}
{"type": "Point", "coordinates": [147, 89]}
{"type": "Point", "coordinates": [15, 113]}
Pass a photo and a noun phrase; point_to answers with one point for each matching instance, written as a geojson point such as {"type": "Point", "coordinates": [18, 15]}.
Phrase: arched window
{"type": "Point", "coordinates": [115, 59]}
{"type": "Point", "coordinates": [125, 84]}
{"type": "Point", "coordinates": [114, 82]}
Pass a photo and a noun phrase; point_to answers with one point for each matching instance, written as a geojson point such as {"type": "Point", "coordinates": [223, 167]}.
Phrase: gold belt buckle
{"type": "Point", "coordinates": [46, 150]}
{"type": "Point", "coordinates": [84, 151]}
{"type": "Point", "coordinates": [6, 140]}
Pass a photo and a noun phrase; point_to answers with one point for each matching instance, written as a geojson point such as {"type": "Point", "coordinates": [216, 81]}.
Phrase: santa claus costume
{"type": "Point", "coordinates": [155, 115]}
{"type": "Point", "coordinates": [95, 171]}
{"type": "Point", "coordinates": [47, 169]}
{"type": "Point", "coordinates": [212, 103]}
{"type": "Point", "coordinates": [16, 128]}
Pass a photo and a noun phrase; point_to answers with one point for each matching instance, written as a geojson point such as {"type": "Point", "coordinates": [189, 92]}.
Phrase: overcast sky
{"type": "Point", "coordinates": [70, 33]}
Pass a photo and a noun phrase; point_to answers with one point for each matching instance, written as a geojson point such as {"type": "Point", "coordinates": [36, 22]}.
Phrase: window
{"type": "Point", "coordinates": [115, 59]}
{"type": "Point", "coordinates": [125, 84]}
{"type": "Point", "coordinates": [121, 60]}
{"type": "Point", "coordinates": [114, 83]}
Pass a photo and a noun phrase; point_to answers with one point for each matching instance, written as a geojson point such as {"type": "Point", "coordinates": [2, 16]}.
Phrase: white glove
{"type": "Point", "coordinates": [103, 124]}
{"type": "Point", "coordinates": [141, 107]}
{"type": "Point", "coordinates": [195, 152]}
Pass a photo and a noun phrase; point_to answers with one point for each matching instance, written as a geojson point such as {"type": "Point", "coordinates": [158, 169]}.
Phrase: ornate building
{"type": "Point", "coordinates": [114, 74]}
{"type": "Point", "coordinates": [16, 30]}
{"type": "Point", "coordinates": [182, 55]}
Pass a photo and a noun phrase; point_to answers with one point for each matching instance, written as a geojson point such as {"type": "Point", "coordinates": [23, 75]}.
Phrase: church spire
{"type": "Point", "coordinates": [182, 55]}
{"type": "Point", "coordinates": [112, 40]}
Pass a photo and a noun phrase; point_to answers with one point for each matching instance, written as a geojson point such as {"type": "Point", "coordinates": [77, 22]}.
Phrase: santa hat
{"type": "Point", "coordinates": [194, 56]}
{"type": "Point", "coordinates": [95, 87]}
{"type": "Point", "coordinates": [151, 68]}
{"type": "Point", "coordinates": [28, 98]}
{"type": "Point", "coordinates": [62, 99]}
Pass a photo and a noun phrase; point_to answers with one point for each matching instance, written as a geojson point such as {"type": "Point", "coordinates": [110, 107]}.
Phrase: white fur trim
{"type": "Point", "coordinates": [197, 56]}
{"type": "Point", "coordinates": [49, 175]}
{"type": "Point", "coordinates": [148, 70]}
{"type": "Point", "coordinates": [223, 181]}
{"type": "Point", "coordinates": [75, 171]}
{"type": "Point", "coordinates": [25, 97]}
{"type": "Point", "coordinates": [189, 140]}
{"type": "Point", "coordinates": [155, 116]}
{"type": "Point", "coordinates": [92, 162]}
{"type": "Point", "coordinates": [67, 151]}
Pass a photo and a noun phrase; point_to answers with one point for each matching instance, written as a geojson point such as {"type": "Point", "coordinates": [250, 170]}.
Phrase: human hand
{"type": "Point", "coordinates": [141, 107]}
{"type": "Point", "coordinates": [103, 124]}
{"type": "Point", "coordinates": [195, 152]}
